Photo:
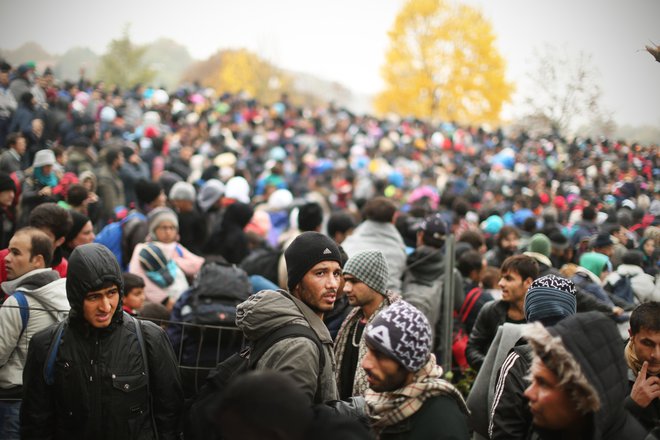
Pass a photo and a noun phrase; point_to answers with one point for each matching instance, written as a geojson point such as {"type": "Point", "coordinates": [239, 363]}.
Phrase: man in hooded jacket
{"type": "Point", "coordinates": [28, 271]}
{"type": "Point", "coordinates": [314, 274]}
{"type": "Point", "coordinates": [108, 376]}
{"type": "Point", "coordinates": [578, 381]}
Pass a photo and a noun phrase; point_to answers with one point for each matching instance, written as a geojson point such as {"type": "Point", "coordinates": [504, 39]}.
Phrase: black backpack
{"type": "Point", "coordinates": [198, 424]}
{"type": "Point", "coordinates": [216, 292]}
{"type": "Point", "coordinates": [265, 262]}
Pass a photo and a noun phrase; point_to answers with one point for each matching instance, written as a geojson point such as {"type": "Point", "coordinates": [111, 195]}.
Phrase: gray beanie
{"type": "Point", "coordinates": [182, 191]}
{"type": "Point", "coordinates": [369, 267]}
{"type": "Point", "coordinates": [159, 215]}
{"type": "Point", "coordinates": [402, 332]}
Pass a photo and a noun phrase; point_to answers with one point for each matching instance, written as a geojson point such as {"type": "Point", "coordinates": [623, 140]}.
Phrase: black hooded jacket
{"type": "Point", "coordinates": [99, 387]}
{"type": "Point", "coordinates": [594, 343]}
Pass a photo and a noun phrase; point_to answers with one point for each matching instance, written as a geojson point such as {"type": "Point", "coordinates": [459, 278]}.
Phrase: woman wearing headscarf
{"type": "Point", "coordinates": [81, 232]}
{"type": "Point", "coordinates": [40, 181]}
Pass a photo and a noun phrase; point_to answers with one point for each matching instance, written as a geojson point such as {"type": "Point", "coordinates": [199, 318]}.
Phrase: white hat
{"type": "Point", "coordinates": [43, 158]}
{"type": "Point", "coordinates": [280, 200]}
{"type": "Point", "coordinates": [238, 188]}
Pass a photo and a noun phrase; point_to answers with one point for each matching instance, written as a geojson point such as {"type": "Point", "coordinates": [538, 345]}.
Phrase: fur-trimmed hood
{"type": "Point", "coordinates": [586, 352]}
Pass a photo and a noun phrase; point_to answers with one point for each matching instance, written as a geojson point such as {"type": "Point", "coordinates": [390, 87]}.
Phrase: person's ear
{"type": "Point", "coordinates": [59, 242]}
{"type": "Point", "coordinates": [38, 261]}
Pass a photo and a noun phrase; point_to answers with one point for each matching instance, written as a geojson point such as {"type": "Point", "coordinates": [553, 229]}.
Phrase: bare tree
{"type": "Point", "coordinates": [564, 91]}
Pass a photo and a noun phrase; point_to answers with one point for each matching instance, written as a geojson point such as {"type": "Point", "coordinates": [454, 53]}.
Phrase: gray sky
{"type": "Point", "coordinates": [345, 40]}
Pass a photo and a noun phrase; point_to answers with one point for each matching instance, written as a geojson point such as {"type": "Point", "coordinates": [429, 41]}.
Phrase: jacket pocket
{"type": "Point", "coordinates": [128, 384]}
{"type": "Point", "coordinates": [130, 395]}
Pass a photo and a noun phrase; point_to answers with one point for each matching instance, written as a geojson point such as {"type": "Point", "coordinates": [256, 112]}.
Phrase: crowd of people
{"type": "Point", "coordinates": [320, 237]}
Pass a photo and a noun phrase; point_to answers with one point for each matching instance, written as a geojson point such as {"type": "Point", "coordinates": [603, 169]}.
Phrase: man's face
{"type": "Point", "coordinates": [318, 288]}
{"type": "Point", "coordinates": [6, 198]}
{"type": "Point", "coordinates": [135, 298]}
{"type": "Point", "coordinates": [20, 145]}
{"type": "Point", "coordinates": [18, 261]}
{"type": "Point", "coordinates": [383, 373]}
{"type": "Point", "coordinates": [100, 305]}
{"type": "Point", "coordinates": [646, 344]}
{"type": "Point", "coordinates": [513, 286]}
{"type": "Point", "coordinates": [550, 404]}
{"type": "Point", "coordinates": [510, 243]}
{"type": "Point", "coordinates": [357, 292]}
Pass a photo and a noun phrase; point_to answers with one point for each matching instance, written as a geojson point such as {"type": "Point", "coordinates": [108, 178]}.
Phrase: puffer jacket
{"type": "Point", "coordinates": [370, 235]}
{"type": "Point", "coordinates": [268, 310]}
{"type": "Point", "coordinates": [593, 342]}
{"type": "Point", "coordinates": [643, 284]}
{"type": "Point", "coordinates": [47, 304]}
{"type": "Point", "coordinates": [99, 383]}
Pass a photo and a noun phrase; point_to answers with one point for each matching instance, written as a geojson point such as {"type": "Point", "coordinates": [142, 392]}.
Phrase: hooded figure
{"type": "Point", "coordinates": [103, 381]}
{"type": "Point", "coordinates": [582, 354]}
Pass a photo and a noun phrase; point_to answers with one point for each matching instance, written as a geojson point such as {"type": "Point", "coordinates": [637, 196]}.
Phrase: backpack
{"type": "Point", "coordinates": [264, 262]}
{"type": "Point", "coordinates": [623, 289]}
{"type": "Point", "coordinates": [216, 292]}
{"type": "Point", "coordinates": [111, 237]}
{"type": "Point", "coordinates": [198, 424]}
{"type": "Point", "coordinates": [461, 337]}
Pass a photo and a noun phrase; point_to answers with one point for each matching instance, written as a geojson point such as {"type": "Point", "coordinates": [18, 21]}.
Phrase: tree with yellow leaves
{"type": "Point", "coordinates": [442, 64]}
{"type": "Point", "coordinates": [240, 70]}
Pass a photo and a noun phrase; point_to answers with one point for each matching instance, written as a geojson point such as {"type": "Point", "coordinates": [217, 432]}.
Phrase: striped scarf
{"type": "Point", "coordinates": [389, 408]}
{"type": "Point", "coordinates": [360, 384]}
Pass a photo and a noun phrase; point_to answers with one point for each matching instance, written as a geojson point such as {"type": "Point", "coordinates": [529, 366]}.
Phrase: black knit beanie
{"type": "Point", "coordinates": [306, 251]}
{"type": "Point", "coordinates": [147, 191]}
{"type": "Point", "coordinates": [7, 183]}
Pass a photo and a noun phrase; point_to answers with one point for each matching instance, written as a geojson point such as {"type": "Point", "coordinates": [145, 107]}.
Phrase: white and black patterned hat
{"type": "Point", "coordinates": [369, 267]}
{"type": "Point", "coordinates": [550, 299]}
{"type": "Point", "coordinates": [402, 332]}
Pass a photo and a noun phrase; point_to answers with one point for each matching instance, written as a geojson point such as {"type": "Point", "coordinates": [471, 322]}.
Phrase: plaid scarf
{"type": "Point", "coordinates": [360, 384]}
{"type": "Point", "coordinates": [390, 408]}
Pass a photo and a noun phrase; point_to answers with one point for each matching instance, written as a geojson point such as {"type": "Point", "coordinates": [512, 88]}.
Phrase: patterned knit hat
{"type": "Point", "coordinates": [369, 267]}
{"type": "Point", "coordinates": [403, 333]}
{"type": "Point", "coordinates": [550, 299]}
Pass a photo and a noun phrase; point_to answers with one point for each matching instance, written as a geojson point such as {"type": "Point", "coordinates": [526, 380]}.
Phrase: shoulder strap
{"type": "Point", "coordinates": [288, 331]}
{"type": "Point", "coordinates": [24, 309]}
{"type": "Point", "coordinates": [471, 298]}
{"type": "Point", "coordinates": [145, 358]}
{"type": "Point", "coordinates": [49, 367]}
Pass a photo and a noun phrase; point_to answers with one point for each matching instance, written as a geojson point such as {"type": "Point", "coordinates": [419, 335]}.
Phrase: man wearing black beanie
{"type": "Point", "coordinates": [313, 265]}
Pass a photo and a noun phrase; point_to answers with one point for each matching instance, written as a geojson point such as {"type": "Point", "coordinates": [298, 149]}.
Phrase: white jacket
{"type": "Point", "coordinates": [643, 284]}
{"type": "Point", "coordinates": [45, 293]}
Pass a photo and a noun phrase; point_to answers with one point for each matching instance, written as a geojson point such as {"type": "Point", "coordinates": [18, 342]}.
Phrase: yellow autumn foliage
{"type": "Point", "coordinates": [442, 63]}
{"type": "Point", "coordinates": [235, 71]}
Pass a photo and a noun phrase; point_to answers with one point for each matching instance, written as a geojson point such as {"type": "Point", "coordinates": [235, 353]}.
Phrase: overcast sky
{"type": "Point", "coordinates": [345, 40]}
